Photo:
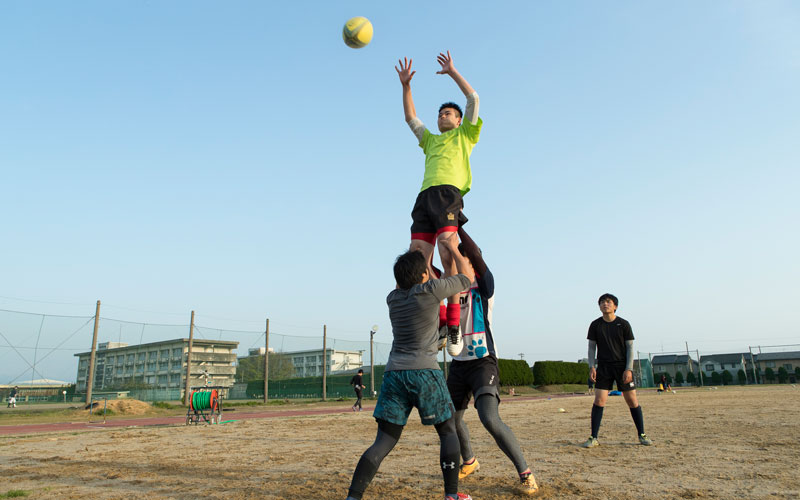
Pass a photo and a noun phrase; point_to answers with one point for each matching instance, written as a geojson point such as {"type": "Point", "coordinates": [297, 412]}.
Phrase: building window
{"type": "Point", "coordinates": [709, 368]}
{"type": "Point", "coordinates": [140, 357]}
{"type": "Point", "coordinates": [770, 364]}
{"type": "Point", "coordinates": [177, 353]}
{"type": "Point", "coordinates": [788, 367]}
{"type": "Point", "coordinates": [152, 355]}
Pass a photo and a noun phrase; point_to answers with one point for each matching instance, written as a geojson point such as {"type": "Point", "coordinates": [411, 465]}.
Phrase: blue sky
{"type": "Point", "coordinates": [239, 160]}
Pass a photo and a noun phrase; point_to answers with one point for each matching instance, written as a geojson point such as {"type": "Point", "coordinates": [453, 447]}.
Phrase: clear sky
{"type": "Point", "coordinates": [239, 160]}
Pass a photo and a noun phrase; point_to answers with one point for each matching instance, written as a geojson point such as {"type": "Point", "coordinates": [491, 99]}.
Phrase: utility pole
{"type": "Point", "coordinates": [92, 356]}
{"type": "Point", "coordinates": [189, 362]}
{"type": "Point", "coordinates": [697, 352]}
{"type": "Point", "coordinates": [266, 363]}
{"type": "Point", "coordinates": [324, 362]}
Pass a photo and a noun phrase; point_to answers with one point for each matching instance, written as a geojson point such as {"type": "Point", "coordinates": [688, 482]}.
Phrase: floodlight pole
{"type": "Point", "coordinates": [697, 352]}
{"type": "Point", "coordinates": [371, 362]}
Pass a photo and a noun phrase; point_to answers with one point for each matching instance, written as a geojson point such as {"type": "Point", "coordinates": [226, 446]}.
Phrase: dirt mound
{"type": "Point", "coordinates": [124, 407]}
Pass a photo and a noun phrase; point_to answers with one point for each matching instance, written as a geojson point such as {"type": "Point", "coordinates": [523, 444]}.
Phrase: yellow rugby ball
{"type": "Point", "coordinates": [357, 32]}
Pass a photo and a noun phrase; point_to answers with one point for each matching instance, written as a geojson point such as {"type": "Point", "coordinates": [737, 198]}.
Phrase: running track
{"type": "Point", "coordinates": [7, 430]}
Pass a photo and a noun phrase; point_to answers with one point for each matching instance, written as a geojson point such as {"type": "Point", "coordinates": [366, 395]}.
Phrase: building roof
{"type": "Point", "coordinates": [735, 357]}
{"type": "Point", "coordinates": [777, 356]}
{"type": "Point", "coordinates": [232, 343]}
{"type": "Point", "coordinates": [671, 359]}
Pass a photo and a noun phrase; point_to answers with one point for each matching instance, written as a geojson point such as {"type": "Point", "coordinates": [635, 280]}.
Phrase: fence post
{"type": "Point", "coordinates": [189, 362]}
{"type": "Point", "coordinates": [266, 363]}
{"type": "Point", "coordinates": [324, 362]}
{"type": "Point", "coordinates": [92, 356]}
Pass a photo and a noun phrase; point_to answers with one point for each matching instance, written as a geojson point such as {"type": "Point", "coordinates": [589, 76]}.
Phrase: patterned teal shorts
{"type": "Point", "coordinates": [425, 390]}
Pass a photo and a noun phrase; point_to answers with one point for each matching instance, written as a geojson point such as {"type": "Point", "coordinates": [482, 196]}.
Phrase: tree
{"type": "Point", "coordinates": [679, 378]}
{"type": "Point", "coordinates": [769, 374]}
{"type": "Point", "coordinates": [797, 372]}
{"type": "Point", "coordinates": [727, 378]}
{"type": "Point", "coordinates": [252, 367]}
{"type": "Point", "coordinates": [741, 376]}
{"type": "Point", "coordinates": [691, 378]}
{"type": "Point", "coordinates": [783, 375]}
{"type": "Point", "coordinates": [716, 378]}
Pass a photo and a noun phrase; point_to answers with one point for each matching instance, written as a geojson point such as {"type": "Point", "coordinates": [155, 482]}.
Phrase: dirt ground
{"type": "Point", "coordinates": [737, 443]}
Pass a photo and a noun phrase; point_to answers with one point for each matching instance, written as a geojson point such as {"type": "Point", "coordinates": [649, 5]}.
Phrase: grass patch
{"type": "Point", "coordinates": [15, 494]}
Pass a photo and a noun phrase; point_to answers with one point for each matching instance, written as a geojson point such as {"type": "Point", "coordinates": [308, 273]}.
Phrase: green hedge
{"type": "Point", "coordinates": [514, 372]}
{"type": "Point", "coordinates": [560, 372]}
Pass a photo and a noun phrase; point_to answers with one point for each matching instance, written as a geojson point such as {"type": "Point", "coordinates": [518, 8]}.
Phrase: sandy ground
{"type": "Point", "coordinates": [737, 443]}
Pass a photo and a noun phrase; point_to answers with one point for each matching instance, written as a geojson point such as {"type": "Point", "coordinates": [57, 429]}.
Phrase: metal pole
{"type": "Point", "coordinates": [189, 362]}
{"type": "Point", "coordinates": [371, 365]}
{"type": "Point", "coordinates": [753, 363]}
{"type": "Point", "coordinates": [701, 368]}
{"type": "Point", "coordinates": [641, 375]}
{"type": "Point", "coordinates": [266, 363]}
{"type": "Point", "coordinates": [92, 356]}
{"type": "Point", "coordinates": [324, 362]}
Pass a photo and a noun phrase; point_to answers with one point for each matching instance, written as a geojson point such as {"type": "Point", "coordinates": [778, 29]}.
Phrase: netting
{"type": "Point", "coordinates": [39, 348]}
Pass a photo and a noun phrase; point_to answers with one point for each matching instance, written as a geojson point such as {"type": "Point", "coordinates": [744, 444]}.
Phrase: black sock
{"type": "Point", "coordinates": [597, 417]}
{"type": "Point", "coordinates": [638, 419]}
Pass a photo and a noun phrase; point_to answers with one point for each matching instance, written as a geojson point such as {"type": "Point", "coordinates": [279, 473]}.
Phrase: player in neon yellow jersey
{"type": "Point", "coordinates": [448, 177]}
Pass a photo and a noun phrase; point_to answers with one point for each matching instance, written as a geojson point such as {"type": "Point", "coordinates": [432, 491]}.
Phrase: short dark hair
{"type": "Point", "coordinates": [451, 105]}
{"type": "Point", "coordinates": [360, 370]}
{"type": "Point", "coordinates": [605, 296]}
{"type": "Point", "coordinates": [409, 268]}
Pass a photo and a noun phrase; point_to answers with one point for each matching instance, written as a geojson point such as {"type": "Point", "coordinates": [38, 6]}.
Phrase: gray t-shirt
{"type": "Point", "coordinates": [415, 322]}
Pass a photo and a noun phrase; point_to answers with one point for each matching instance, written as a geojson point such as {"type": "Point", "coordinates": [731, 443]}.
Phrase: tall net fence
{"type": "Point", "coordinates": [38, 350]}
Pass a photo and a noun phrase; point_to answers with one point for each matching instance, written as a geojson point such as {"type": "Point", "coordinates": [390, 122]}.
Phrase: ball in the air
{"type": "Point", "coordinates": [357, 32]}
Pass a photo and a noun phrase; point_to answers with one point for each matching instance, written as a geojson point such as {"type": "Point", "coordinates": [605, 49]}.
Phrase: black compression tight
{"type": "Point", "coordinates": [487, 406]}
{"type": "Point", "coordinates": [388, 435]}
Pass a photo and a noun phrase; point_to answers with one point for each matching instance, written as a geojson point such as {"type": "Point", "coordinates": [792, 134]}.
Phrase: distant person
{"type": "Point", "coordinates": [663, 385]}
{"type": "Point", "coordinates": [474, 372]}
{"type": "Point", "coordinates": [612, 338]}
{"type": "Point", "coordinates": [591, 385]}
{"type": "Point", "coordinates": [412, 378]}
{"type": "Point", "coordinates": [358, 386]}
{"type": "Point", "coordinates": [12, 397]}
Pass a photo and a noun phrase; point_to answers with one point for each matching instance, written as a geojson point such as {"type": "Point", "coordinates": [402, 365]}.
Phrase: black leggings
{"type": "Point", "coordinates": [388, 435]}
{"type": "Point", "coordinates": [487, 406]}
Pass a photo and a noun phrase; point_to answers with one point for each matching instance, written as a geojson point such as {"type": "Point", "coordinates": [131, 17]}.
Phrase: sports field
{"type": "Point", "coordinates": [737, 443]}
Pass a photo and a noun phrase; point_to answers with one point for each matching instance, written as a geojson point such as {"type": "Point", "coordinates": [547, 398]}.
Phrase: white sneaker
{"type": "Point", "coordinates": [455, 342]}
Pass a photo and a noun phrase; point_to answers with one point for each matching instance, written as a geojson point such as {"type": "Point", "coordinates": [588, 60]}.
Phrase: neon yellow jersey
{"type": "Point", "coordinates": [447, 156]}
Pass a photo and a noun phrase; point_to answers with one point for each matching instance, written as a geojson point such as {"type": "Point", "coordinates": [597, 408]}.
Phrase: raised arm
{"type": "Point", "coordinates": [472, 251]}
{"type": "Point", "coordinates": [448, 68]}
{"type": "Point", "coordinates": [405, 74]}
{"type": "Point", "coordinates": [462, 264]}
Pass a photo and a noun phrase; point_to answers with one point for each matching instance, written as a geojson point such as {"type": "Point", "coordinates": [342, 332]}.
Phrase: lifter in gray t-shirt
{"type": "Point", "coordinates": [412, 377]}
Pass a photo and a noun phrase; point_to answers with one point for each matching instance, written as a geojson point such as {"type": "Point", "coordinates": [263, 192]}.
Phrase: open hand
{"type": "Point", "coordinates": [405, 72]}
{"type": "Point", "coordinates": [447, 64]}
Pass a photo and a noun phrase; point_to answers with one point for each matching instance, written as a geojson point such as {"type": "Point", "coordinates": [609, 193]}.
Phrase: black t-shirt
{"type": "Point", "coordinates": [356, 382]}
{"type": "Point", "coordinates": [610, 338]}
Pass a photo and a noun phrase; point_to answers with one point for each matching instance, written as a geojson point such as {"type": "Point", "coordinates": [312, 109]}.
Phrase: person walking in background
{"type": "Point", "coordinates": [358, 385]}
{"type": "Point", "coordinates": [612, 338]}
{"type": "Point", "coordinates": [12, 397]}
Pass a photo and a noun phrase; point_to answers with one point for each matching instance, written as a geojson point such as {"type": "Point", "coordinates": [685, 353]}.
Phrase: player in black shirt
{"type": "Point", "coordinates": [612, 338]}
{"type": "Point", "coordinates": [358, 385]}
